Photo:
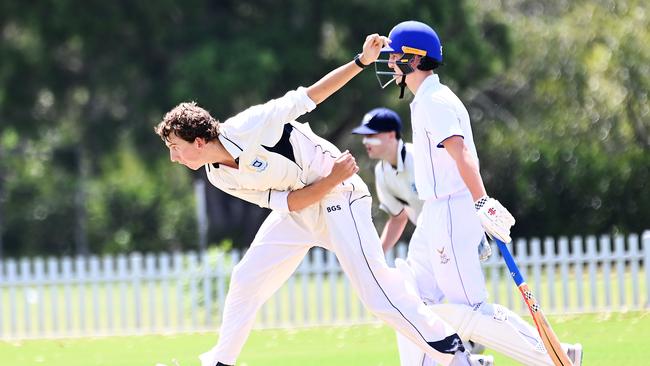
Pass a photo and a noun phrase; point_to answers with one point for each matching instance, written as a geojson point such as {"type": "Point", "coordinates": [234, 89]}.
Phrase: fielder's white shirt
{"type": "Point", "coordinates": [437, 114]}
{"type": "Point", "coordinates": [396, 185]}
{"type": "Point", "coordinates": [276, 154]}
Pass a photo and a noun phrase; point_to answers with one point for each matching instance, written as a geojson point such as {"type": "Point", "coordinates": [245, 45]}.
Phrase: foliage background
{"type": "Point", "coordinates": [558, 93]}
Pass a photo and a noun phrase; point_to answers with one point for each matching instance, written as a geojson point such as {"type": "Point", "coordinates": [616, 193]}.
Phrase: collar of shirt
{"type": "Point", "coordinates": [401, 157]}
{"type": "Point", "coordinates": [233, 149]}
{"type": "Point", "coordinates": [431, 82]}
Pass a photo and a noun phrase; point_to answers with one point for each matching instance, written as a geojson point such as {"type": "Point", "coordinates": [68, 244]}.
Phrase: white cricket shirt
{"type": "Point", "coordinates": [437, 114]}
{"type": "Point", "coordinates": [276, 154]}
{"type": "Point", "coordinates": [396, 185]}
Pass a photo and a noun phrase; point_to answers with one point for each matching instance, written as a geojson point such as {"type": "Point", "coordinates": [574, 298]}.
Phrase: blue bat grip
{"type": "Point", "coordinates": [510, 262]}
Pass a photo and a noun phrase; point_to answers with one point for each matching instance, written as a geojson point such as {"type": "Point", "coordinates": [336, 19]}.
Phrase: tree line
{"type": "Point", "coordinates": [557, 94]}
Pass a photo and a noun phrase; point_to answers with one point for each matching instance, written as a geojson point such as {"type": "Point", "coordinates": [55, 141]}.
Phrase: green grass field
{"type": "Point", "coordinates": [608, 339]}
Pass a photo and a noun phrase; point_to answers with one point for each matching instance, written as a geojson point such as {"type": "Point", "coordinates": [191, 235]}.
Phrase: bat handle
{"type": "Point", "coordinates": [510, 262]}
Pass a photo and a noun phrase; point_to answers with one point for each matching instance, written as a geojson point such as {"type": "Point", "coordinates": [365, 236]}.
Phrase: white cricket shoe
{"type": "Point", "coordinates": [574, 351]}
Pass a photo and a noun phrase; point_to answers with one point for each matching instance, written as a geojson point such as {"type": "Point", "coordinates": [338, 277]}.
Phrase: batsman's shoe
{"type": "Point", "coordinates": [574, 352]}
{"type": "Point", "coordinates": [481, 360]}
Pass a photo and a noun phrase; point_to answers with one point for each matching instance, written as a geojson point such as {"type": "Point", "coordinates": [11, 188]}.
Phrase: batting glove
{"type": "Point", "coordinates": [496, 220]}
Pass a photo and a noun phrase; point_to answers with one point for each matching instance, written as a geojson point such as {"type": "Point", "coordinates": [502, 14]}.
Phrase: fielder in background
{"type": "Point", "coordinates": [457, 211]}
{"type": "Point", "coordinates": [263, 156]}
{"type": "Point", "coordinates": [381, 129]}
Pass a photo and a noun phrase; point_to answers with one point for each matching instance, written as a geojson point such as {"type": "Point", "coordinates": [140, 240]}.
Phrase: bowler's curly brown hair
{"type": "Point", "coordinates": [188, 121]}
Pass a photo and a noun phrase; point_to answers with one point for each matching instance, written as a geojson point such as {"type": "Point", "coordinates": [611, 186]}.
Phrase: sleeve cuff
{"type": "Point", "coordinates": [305, 100]}
{"type": "Point", "coordinates": [458, 132]}
{"type": "Point", "coordinates": [278, 200]}
{"type": "Point", "coordinates": [385, 208]}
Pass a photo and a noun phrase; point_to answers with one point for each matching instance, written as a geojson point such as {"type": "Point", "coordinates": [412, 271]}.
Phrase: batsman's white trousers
{"type": "Point", "coordinates": [444, 262]}
{"type": "Point", "coordinates": [341, 222]}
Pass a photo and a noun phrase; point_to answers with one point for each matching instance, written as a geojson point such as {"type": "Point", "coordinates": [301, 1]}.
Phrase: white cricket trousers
{"type": "Point", "coordinates": [341, 222]}
{"type": "Point", "coordinates": [443, 256]}
{"type": "Point", "coordinates": [445, 250]}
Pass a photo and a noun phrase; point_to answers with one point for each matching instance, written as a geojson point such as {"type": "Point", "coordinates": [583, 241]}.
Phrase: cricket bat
{"type": "Point", "coordinates": [551, 342]}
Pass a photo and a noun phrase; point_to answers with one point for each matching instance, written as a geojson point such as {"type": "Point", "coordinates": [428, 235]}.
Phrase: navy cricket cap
{"type": "Point", "coordinates": [379, 120]}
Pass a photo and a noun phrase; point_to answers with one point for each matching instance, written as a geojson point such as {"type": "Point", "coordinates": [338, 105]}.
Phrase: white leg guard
{"type": "Point", "coordinates": [497, 328]}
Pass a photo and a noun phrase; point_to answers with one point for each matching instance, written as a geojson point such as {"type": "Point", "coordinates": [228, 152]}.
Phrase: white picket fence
{"type": "Point", "coordinates": [184, 292]}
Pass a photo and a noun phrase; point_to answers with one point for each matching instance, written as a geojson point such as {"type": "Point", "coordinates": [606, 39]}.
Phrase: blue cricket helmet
{"type": "Point", "coordinates": [413, 37]}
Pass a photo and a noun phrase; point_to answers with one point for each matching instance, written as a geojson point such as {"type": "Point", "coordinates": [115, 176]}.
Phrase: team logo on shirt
{"type": "Point", "coordinates": [444, 258]}
{"type": "Point", "coordinates": [414, 188]}
{"type": "Point", "coordinates": [258, 164]}
{"type": "Point", "coordinates": [334, 208]}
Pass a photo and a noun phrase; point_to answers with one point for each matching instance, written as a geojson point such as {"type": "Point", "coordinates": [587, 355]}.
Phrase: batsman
{"type": "Point", "coordinates": [457, 210]}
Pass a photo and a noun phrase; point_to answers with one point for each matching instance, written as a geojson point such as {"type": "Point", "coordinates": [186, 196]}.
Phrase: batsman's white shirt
{"type": "Point", "coordinates": [396, 185]}
{"type": "Point", "coordinates": [437, 114]}
{"type": "Point", "coordinates": [277, 155]}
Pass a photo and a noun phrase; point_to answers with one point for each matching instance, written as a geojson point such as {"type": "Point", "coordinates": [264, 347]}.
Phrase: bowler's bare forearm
{"type": "Point", "coordinates": [307, 196]}
{"type": "Point", "coordinates": [332, 82]}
